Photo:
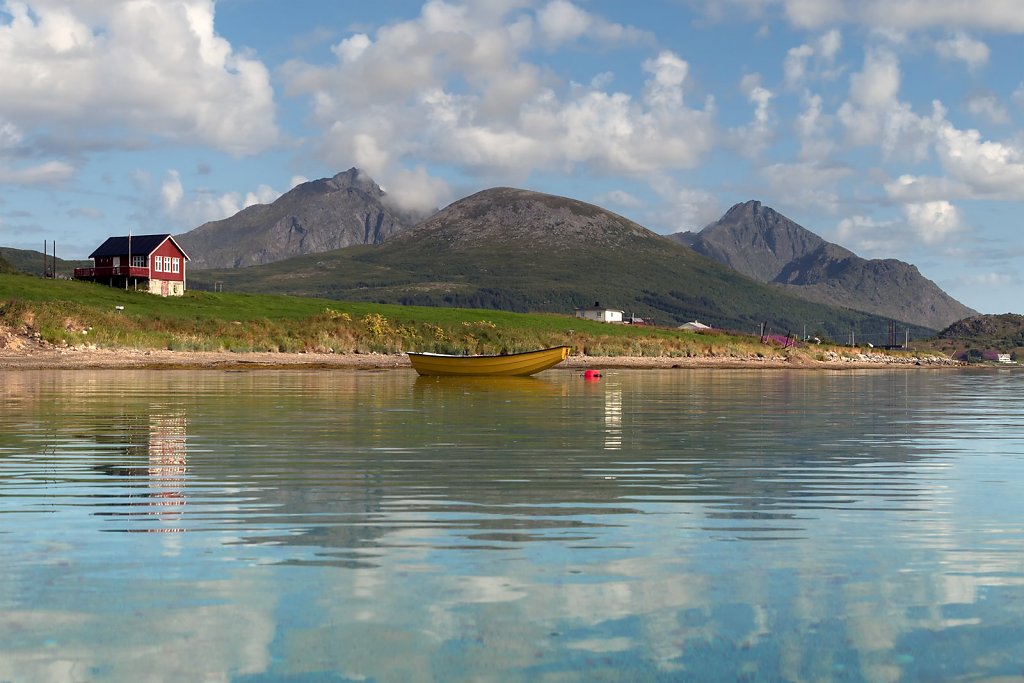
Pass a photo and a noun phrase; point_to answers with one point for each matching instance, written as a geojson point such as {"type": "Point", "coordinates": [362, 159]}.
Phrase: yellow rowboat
{"type": "Point", "coordinates": [510, 365]}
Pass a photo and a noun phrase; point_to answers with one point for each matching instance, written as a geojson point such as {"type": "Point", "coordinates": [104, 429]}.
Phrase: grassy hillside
{"type": "Point", "coordinates": [75, 313]}
{"type": "Point", "coordinates": [982, 337]}
{"type": "Point", "coordinates": [655, 280]}
{"type": "Point", "coordinates": [30, 261]}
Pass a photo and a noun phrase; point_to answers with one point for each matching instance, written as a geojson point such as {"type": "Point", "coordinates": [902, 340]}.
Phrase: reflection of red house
{"type": "Point", "coordinates": [156, 262]}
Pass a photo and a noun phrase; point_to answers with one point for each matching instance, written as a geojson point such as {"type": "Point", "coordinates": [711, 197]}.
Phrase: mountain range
{"type": "Point", "coordinates": [513, 249]}
{"type": "Point", "coordinates": [312, 217]}
{"type": "Point", "coordinates": [350, 210]}
{"type": "Point", "coordinates": [765, 245]}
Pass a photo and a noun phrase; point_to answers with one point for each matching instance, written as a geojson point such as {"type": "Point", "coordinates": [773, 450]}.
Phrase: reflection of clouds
{"type": "Point", "coordinates": [490, 589]}
{"type": "Point", "coordinates": [603, 644]}
{"type": "Point", "coordinates": [153, 641]}
{"type": "Point", "coordinates": [728, 536]}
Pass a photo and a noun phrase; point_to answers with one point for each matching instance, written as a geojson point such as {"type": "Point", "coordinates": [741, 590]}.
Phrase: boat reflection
{"type": "Point", "coordinates": [442, 385]}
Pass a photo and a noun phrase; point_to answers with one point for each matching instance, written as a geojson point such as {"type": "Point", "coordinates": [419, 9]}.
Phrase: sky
{"type": "Point", "coordinates": [894, 128]}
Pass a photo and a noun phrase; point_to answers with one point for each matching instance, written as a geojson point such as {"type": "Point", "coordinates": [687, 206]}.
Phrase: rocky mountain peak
{"type": "Point", "coordinates": [320, 215]}
{"type": "Point", "coordinates": [355, 179]}
{"type": "Point", "coordinates": [503, 214]}
{"type": "Point", "coordinates": [763, 244]}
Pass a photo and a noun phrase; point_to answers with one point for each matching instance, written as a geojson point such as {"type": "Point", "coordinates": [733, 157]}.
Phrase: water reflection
{"type": "Point", "coordinates": [613, 419]}
{"type": "Point", "coordinates": [653, 525]}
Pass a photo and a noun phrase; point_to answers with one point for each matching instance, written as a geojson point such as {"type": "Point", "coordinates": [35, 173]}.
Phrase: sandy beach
{"type": "Point", "coordinates": [31, 356]}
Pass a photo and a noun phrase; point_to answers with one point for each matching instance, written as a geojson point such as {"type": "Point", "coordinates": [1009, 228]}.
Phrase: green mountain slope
{"type": "Point", "coordinates": [31, 262]}
{"type": "Point", "coordinates": [518, 250]}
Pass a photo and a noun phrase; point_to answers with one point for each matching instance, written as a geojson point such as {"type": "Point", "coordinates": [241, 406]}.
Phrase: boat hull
{"type": "Point", "coordinates": [510, 365]}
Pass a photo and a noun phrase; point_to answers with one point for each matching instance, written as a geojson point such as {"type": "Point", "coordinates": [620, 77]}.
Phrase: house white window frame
{"type": "Point", "coordinates": [138, 261]}
{"type": "Point", "coordinates": [175, 265]}
{"type": "Point", "coordinates": [158, 264]}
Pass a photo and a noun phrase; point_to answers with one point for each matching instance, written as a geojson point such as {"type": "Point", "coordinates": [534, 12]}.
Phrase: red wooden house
{"type": "Point", "coordinates": [156, 262]}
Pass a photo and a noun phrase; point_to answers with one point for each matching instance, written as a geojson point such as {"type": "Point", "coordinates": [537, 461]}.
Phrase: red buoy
{"type": "Point", "coordinates": [591, 374]}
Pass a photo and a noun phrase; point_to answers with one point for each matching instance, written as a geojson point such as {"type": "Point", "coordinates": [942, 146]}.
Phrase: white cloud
{"type": "Point", "coordinates": [351, 49]}
{"type": "Point", "coordinates": [829, 44]}
{"type": "Point", "coordinates": [990, 280]}
{"type": "Point", "coordinates": [869, 237]}
{"type": "Point", "coordinates": [797, 66]}
{"type": "Point", "coordinates": [934, 222]}
{"type": "Point", "coordinates": [1018, 96]}
{"type": "Point", "coordinates": [467, 97]}
{"type": "Point", "coordinates": [416, 190]}
{"type": "Point", "coordinates": [996, 15]}
{"type": "Point", "coordinates": [878, 84]}
{"type": "Point", "coordinates": [960, 46]}
{"type": "Point", "coordinates": [806, 183]}
{"type": "Point", "coordinates": [157, 68]}
{"type": "Point", "coordinates": [10, 135]}
{"type": "Point", "coordinates": [988, 107]}
{"type": "Point", "coordinates": [619, 198]}
{"type": "Point", "coordinates": [911, 188]}
{"type": "Point", "coordinates": [990, 169]}
{"type": "Point", "coordinates": [873, 99]}
{"type": "Point", "coordinates": [264, 194]}
{"type": "Point", "coordinates": [812, 128]}
{"type": "Point", "coordinates": [562, 22]}
{"type": "Point", "coordinates": [46, 173]}
{"type": "Point", "coordinates": [172, 191]}
{"type": "Point", "coordinates": [683, 208]}
{"type": "Point", "coordinates": [756, 135]}
{"type": "Point", "coordinates": [993, 15]}
{"type": "Point", "coordinates": [188, 210]}
{"type": "Point", "coordinates": [907, 136]}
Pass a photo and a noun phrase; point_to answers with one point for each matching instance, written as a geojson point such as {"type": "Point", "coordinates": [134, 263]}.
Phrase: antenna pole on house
{"type": "Point", "coordinates": [129, 260]}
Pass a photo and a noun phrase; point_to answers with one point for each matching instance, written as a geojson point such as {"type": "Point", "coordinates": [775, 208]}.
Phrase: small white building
{"type": "Point", "coordinates": [600, 314]}
{"type": "Point", "coordinates": [694, 326]}
{"type": "Point", "coordinates": [1004, 358]}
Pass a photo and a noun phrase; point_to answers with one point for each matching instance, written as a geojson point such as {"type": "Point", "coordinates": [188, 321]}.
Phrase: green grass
{"type": "Point", "coordinates": [76, 313]}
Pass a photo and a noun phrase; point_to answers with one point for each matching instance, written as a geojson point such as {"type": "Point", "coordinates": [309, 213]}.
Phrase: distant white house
{"type": "Point", "coordinates": [600, 314]}
{"type": "Point", "coordinates": [694, 326]}
{"type": "Point", "coordinates": [1004, 358]}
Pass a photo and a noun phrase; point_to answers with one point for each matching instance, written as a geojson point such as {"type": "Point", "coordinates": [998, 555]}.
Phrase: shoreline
{"type": "Point", "coordinates": [90, 358]}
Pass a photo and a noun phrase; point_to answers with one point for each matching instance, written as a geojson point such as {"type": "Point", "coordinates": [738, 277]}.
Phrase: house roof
{"type": "Point", "coordinates": [138, 244]}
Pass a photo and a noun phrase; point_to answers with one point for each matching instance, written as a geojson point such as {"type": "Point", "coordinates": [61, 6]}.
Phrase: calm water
{"type": "Point", "coordinates": [655, 525]}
